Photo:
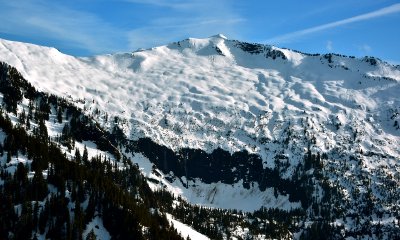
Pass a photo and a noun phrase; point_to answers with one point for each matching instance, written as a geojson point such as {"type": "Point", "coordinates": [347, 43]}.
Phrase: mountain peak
{"type": "Point", "coordinates": [219, 35]}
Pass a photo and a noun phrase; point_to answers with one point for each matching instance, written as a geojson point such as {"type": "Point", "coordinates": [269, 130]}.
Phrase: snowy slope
{"type": "Point", "coordinates": [202, 88]}
{"type": "Point", "coordinates": [215, 92]}
{"type": "Point", "coordinates": [216, 195]}
{"type": "Point", "coordinates": [185, 230]}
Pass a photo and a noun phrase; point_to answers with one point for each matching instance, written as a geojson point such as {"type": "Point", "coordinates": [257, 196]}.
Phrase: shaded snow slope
{"type": "Point", "coordinates": [216, 195]}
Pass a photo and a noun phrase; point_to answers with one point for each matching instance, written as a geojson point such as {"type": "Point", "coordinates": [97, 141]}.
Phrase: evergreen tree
{"type": "Point", "coordinates": [78, 221]}
{"type": "Point", "coordinates": [8, 157]}
{"type": "Point", "coordinates": [28, 124]}
{"type": "Point", "coordinates": [77, 156]}
{"type": "Point", "coordinates": [22, 117]}
{"type": "Point", "coordinates": [43, 217]}
{"type": "Point", "coordinates": [36, 216]}
{"type": "Point", "coordinates": [85, 156]}
{"type": "Point", "coordinates": [59, 114]}
{"type": "Point", "coordinates": [91, 235]}
{"type": "Point", "coordinates": [39, 186]}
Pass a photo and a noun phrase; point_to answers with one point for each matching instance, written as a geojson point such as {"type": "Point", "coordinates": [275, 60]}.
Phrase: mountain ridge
{"type": "Point", "coordinates": [127, 65]}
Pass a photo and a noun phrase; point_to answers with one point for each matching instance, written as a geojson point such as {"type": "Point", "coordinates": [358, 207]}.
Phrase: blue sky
{"type": "Point", "coordinates": [89, 27]}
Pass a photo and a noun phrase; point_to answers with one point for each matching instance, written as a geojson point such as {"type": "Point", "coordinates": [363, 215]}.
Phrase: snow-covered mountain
{"type": "Point", "coordinates": [226, 122]}
{"type": "Point", "coordinates": [214, 92]}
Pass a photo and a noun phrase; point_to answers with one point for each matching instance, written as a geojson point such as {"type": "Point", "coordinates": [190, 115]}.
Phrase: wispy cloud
{"type": "Point", "coordinates": [329, 46]}
{"type": "Point", "coordinates": [365, 48]}
{"type": "Point", "coordinates": [174, 4]}
{"type": "Point", "coordinates": [189, 18]}
{"type": "Point", "coordinates": [363, 17]}
{"type": "Point", "coordinates": [70, 28]}
{"type": "Point", "coordinates": [158, 34]}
